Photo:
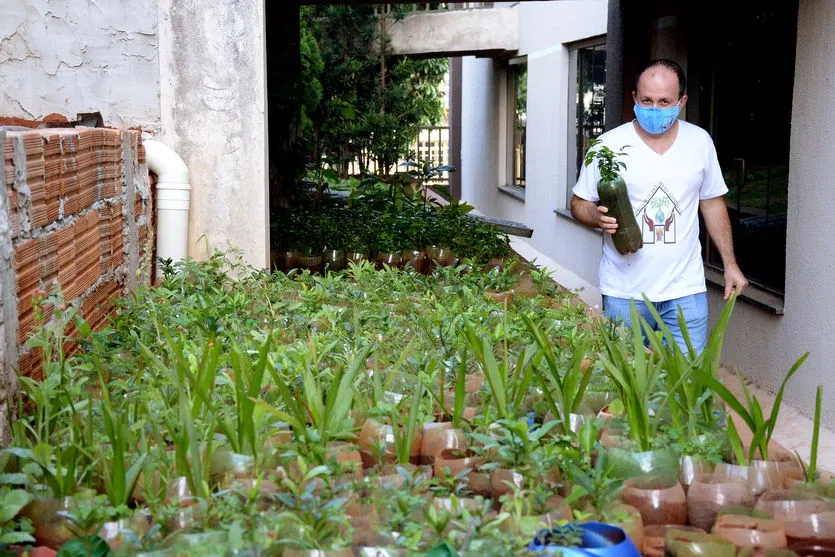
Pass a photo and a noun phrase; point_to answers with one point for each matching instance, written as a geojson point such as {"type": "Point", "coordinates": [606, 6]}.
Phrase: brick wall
{"type": "Point", "coordinates": [75, 215]}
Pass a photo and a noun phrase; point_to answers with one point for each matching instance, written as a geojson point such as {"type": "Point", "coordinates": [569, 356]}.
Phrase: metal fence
{"type": "Point", "coordinates": [431, 145]}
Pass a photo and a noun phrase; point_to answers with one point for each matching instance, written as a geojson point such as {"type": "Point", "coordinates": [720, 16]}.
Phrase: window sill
{"type": "Point", "coordinates": [515, 192]}
{"type": "Point", "coordinates": [566, 214]}
{"type": "Point", "coordinates": [754, 295]}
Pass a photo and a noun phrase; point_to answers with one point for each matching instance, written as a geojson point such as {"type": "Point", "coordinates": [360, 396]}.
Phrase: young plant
{"type": "Point", "coordinates": [563, 393]}
{"type": "Point", "coordinates": [404, 434]}
{"type": "Point", "coordinates": [810, 471]}
{"type": "Point", "coordinates": [508, 387]}
{"type": "Point", "coordinates": [14, 530]}
{"type": "Point", "coordinates": [750, 412]}
{"type": "Point", "coordinates": [686, 392]}
{"type": "Point", "coordinates": [636, 375]}
{"type": "Point", "coordinates": [607, 160]}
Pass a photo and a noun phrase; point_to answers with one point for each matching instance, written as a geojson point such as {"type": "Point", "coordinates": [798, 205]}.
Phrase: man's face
{"type": "Point", "coordinates": [658, 88]}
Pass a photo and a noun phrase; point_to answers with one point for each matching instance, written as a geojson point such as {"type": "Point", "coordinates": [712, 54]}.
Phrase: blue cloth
{"type": "Point", "coordinates": [695, 317]}
{"type": "Point", "coordinates": [656, 121]}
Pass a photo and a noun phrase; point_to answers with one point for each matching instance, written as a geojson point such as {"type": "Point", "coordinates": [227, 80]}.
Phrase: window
{"type": "Point", "coordinates": [747, 108]}
{"type": "Point", "coordinates": [517, 94]}
{"type": "Point", "coordinates": [587, 86]}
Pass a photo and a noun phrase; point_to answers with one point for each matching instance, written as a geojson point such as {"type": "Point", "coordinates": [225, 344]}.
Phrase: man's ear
{"type": "Point", "coordinates": [683, 102]}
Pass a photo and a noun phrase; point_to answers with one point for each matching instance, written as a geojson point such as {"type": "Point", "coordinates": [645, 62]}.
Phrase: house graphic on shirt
{"type": "Point", "coordinates": [658, 217]}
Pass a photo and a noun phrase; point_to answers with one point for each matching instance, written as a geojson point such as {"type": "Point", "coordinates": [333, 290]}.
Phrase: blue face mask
{"type": "Point", "coordinates": [656, 120]}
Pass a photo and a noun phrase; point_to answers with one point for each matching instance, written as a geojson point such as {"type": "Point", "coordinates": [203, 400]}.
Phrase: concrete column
{"type": "Point", "coordinates": [213, 87]}
{"type": "Point", "coordinates": [8, 312]}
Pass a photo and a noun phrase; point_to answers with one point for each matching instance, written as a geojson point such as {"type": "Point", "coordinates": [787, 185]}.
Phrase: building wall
{"type": "Point", "coordinates": [193, 72]}
{"type": "Point", "coordinates": [765, 346]}
{"type": "Point", "coordinates": [214, 114]}
{"type": "Point", "coordinates": [75, 56]}
{"type": "Point", "coordinates": [544, 28]}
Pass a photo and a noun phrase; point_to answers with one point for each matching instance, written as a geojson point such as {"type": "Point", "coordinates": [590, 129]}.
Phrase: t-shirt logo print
{"type": "Point", "coordinates": [658, 216]}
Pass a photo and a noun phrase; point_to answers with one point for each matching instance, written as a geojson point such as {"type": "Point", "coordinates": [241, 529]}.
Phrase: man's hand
{"type": "Point", "coordinates": [735, 281]}
{"type": "Point", "coordinates": [607, 224]}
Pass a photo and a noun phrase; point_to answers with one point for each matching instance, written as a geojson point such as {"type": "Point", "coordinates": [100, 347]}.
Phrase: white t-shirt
{"type": "Point", "coordinates": [665, 191]}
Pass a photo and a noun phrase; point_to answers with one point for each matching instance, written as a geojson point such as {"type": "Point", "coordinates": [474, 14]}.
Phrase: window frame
{"type": "Point", "coordinates": [507, 108]}
{"type": "Point", "coordinates": [571, 132]}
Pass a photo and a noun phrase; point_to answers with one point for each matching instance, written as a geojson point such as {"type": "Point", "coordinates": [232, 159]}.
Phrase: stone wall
{"type": "Point", "coordinates": [75, 218]}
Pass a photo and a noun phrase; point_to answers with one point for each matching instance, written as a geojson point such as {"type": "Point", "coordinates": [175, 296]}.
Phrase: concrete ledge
{"type": "Point", "coordinates": [457, 33]}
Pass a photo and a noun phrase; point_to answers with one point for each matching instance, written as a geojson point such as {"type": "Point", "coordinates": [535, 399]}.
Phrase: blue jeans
{"type": "Point", "coordinates": [695, 317]}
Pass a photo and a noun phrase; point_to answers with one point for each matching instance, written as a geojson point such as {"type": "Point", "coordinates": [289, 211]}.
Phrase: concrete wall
{"type": "Point", "coordinates": [76, 56]}
{"type": "Point", "coordinates": [765, 346]}
{"type": "Point", "coordinates": [214, 114]}
{"type": "Point", "coordinates": [451, 33]}
{"type": "Point", "coordinates": [544, 28]}
{"type": "Point", "coordinates": [194, 71]}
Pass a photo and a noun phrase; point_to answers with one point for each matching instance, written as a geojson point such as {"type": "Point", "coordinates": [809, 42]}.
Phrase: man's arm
{"type": "Point", "coordinates": [592, 215]}
{"type": "Point", "coordinates": [715, 213]}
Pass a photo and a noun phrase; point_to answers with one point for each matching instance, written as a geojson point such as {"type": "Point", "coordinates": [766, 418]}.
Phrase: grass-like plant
{"type": "Point", "coordinates": [637, 376]}
{"type": "Point", "coordinates": [690, 402]}
{"type": "Point", "coordinates": [750, 412]}
{"type": "Point", "coordinates": [508, 387]}
{"type": "Point", "coordinates": [563, 392]}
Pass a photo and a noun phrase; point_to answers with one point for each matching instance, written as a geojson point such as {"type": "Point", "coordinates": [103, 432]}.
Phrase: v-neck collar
{"type": "Point", "coordinates": [650, 149]}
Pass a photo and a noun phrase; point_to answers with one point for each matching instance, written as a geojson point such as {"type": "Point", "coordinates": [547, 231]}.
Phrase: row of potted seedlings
{"type": "Point", "coordinates": [522, 432]}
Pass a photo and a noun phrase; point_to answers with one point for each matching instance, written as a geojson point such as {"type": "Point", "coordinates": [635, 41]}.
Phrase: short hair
{"type": "Point", "coordinates": [670, 65]}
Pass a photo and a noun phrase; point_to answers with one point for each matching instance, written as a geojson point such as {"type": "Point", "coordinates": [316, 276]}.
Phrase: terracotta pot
{"type": "Point", "coordinates": [745, 531]}
{"type": "Point", "coordinates": [334, 259]}
{"type": "Point", "coordinates": [795, 510]}
{"type": "Point", "coordinates": [761, 475]}
{"type": "Point", "coordinates": [598, 400]}
{"type": "Point", "coordinates": [375, 432]}
{"type": "Point", "coordinates": [655, 535]}
{"type": "Point", "coordinates": [766, 474]}
{"type": "Point", "coordinates": [50, 528]}
{"type": "Point", "coordinates": [355, 256]}
{"type": "Point", "coordinates": [289, 260]}
{"type": "Point", "coordinates": [227, 466]}
{"type": "Point", "coordinates": [311, 262]}
{"type": "Point", "coordinates": [348, 456]}
{"type": "Point", "coordinates": [628, 463]}
{"type": "Point", "coordinates": [633, 525]}
{"type": "Point", "coordinates": [451, 462]}
{"type": "Point", "coordinates": [761, 552]}
{"type": "Point", "coordinates": [690, 468]}
{"type": "Point", "coordinates": [659, 499]}
{"type": "Point", "coordinates": [415, 259]}
{"type": "Point", "coordinates": [680, 543]}
{"type": "Point", "coordinates": [114, 533]}
{"type": "Point", "coordinates": [504, 481]}
{"type": "Point", "coordinates": [441, 257]}
{"type": "Point", "coordinates": [474, 382]}
{"type": "Point", "coordinates": [384, 258]}
{"type": "Point", "coordinates": [437, 437]}
{"type": "Point", "coordinates": [711, 493]}
{"type": "Point", "coordinates": [813, 550]}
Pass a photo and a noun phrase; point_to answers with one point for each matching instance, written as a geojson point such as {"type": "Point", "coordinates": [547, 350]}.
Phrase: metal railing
{"type": "Point", "coordinates": [431, 145]}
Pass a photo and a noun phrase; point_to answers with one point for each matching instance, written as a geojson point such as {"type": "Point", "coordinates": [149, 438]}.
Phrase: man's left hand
{"type": "Point", "coordinates": [735, 281]}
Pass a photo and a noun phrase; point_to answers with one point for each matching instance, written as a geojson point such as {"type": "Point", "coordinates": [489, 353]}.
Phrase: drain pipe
{"type": "Point", "coordinates": [172, 202]}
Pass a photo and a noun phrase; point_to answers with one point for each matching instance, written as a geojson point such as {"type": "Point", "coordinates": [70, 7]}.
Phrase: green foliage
{"type": "Point", "coordinates": [607, 160]}
{"type": "Point", "coordinates": [363, 103]}
{"type": "Point", "coordinates": [14, 530]}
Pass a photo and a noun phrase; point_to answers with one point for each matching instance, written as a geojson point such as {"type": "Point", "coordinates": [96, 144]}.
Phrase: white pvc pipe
{"type": "Point", "coordinates": [172, 203]}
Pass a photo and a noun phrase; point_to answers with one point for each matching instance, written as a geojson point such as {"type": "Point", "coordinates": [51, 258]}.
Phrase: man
{"type": "Point", "coordinates": [671, 172]}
